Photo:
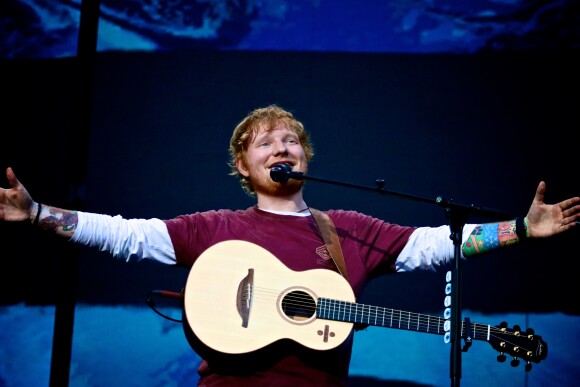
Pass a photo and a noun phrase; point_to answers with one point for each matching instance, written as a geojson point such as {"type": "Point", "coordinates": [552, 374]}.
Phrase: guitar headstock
{"type": "Point", "coordinates": [521, 345]}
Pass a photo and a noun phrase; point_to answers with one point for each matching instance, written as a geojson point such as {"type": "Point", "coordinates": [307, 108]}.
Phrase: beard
{"type": "Point", "coordinates": [267, 186]}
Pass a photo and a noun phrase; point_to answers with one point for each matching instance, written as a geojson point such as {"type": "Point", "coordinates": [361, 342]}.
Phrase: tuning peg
{"type": "Point", "coordinates": [501, 357]}
{"type": "Point", "coordinates": [515, 362]}
{"type": "Point", "coordinates": [528, 367]}
{"type": "Point", "coordinates": [503, 324]}
{"type": "Point", "coordinates": [517, 328]}
{"type": "Point", "coordinates": [530, 331]}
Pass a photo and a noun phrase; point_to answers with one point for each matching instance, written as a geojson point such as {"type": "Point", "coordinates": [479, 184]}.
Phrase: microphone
{"type": "Point", "coordinates": [280, 173]}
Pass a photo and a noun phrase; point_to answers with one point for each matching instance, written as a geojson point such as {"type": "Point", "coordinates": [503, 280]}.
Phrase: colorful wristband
{"type": "Point", "coordinates": [521, 229]}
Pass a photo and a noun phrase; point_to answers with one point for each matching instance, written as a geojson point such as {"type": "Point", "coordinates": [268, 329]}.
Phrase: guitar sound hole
{"type": "Point", "coordinates": [298, 305]}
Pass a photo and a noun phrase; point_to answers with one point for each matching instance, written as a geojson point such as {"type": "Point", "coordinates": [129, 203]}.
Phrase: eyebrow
{"type": "Point", "coordinates": [267, 133]}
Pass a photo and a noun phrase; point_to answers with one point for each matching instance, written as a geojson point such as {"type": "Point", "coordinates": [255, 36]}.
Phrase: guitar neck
{"type": "Point", "coordinates": [329, 309]}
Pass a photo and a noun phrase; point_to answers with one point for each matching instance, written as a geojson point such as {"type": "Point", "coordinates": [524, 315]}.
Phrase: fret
{"type": "Point", "coordinates": [350, 311]}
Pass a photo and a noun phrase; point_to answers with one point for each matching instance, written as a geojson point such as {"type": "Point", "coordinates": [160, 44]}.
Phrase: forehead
{"type": "Point", "coordinates": [263, 130]}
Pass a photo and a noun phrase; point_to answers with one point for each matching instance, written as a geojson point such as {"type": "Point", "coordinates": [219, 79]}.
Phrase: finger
{"type": "Point", "coordinates": [11, 176]}
{"type": "Point", "coordinates": [570, 206]}
{"type": "Point", "coordinates": [570, 211]}
{"type": "Point", "coordinates": [540, 191]}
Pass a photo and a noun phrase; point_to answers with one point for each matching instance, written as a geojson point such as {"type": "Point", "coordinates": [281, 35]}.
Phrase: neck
{"type": "Point", "coordinates": [294, 203]}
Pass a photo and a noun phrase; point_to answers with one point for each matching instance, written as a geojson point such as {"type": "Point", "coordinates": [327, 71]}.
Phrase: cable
{"type": "Point", "coordinates": [164, 293]}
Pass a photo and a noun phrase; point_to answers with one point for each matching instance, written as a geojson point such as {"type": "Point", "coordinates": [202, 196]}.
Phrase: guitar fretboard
{"type": "Point", "coordinates": [336, 310]}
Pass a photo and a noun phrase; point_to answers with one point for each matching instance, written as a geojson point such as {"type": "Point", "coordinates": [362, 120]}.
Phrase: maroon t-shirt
{"type": "Point", "coordinates": [370, 247]}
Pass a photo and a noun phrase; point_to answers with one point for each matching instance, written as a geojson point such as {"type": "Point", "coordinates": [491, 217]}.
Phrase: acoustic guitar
{"type": "Point", "coordinates": [240, 298]}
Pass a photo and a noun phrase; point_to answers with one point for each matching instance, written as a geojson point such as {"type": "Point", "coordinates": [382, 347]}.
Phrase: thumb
{"type": "Point", "coordinates": [540, 191]}
{"type": "Point", "coordinates": [11, 176]}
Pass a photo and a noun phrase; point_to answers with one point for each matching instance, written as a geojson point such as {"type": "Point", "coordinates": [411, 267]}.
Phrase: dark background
{"type": "Point", "coordinates": [480, 129]}
{"type": "Point", "coordinates": [474, 101]}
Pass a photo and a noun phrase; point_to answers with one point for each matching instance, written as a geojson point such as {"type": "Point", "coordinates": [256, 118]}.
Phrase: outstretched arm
{"type": "Point", "coordinates": [542, 221]}
{"type": "Point", "coordinates": [16, 205]}
{"type": "Point", "coordinates": [123, 238]}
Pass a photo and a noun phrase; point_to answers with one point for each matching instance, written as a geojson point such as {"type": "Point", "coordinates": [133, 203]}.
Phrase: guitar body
{"type": "Point", "coordinates": [240, 298]}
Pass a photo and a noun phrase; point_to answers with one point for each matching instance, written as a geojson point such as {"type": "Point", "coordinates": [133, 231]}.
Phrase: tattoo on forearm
{"type": "Point", "coordinates": [57, 219]}
{"type": "Point", "coordinates": [487, 237]}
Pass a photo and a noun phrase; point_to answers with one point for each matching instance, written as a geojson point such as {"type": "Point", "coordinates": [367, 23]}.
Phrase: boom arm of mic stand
{"type": "Point", "coordinates": [439, 200]}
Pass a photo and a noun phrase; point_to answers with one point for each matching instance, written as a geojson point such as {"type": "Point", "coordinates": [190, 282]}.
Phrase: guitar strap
{"type": "Point", "coordinates": [330, 237]}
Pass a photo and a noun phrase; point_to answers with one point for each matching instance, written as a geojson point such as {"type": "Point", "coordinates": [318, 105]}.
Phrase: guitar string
{"type": "Point", "coordinates": [364, 314]}
{"type": "Point", "coordinates": [397, 318]}
{"type": "Point", "coordinates": [404, 317]}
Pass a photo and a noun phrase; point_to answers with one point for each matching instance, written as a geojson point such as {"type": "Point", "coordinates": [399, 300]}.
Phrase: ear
{"type": "Point", "coordinates": [242, 167]}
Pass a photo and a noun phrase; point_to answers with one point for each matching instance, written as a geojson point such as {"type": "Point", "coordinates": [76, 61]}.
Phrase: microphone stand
{"type": "Point", "coordinates": [457, 213]}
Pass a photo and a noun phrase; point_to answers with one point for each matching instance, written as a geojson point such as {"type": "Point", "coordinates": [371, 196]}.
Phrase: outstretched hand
{"type": "Point", "coordinates": [545, 220]}
{"type": "Point", "coordinates": [15, 202]}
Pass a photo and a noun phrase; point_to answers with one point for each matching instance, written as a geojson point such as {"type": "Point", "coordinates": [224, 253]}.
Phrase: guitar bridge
{"type": "Point", "coordinates": [244, 298]}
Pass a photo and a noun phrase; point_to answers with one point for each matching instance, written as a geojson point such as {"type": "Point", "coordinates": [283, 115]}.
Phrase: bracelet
{"type": "Point", "coordinates": [38, 214]}
{"type": "Point", "coordinates": [521, 229]}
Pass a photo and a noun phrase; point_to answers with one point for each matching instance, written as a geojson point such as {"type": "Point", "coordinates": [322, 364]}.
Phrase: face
{"type": "Point", "coordinates": [268, 148]}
